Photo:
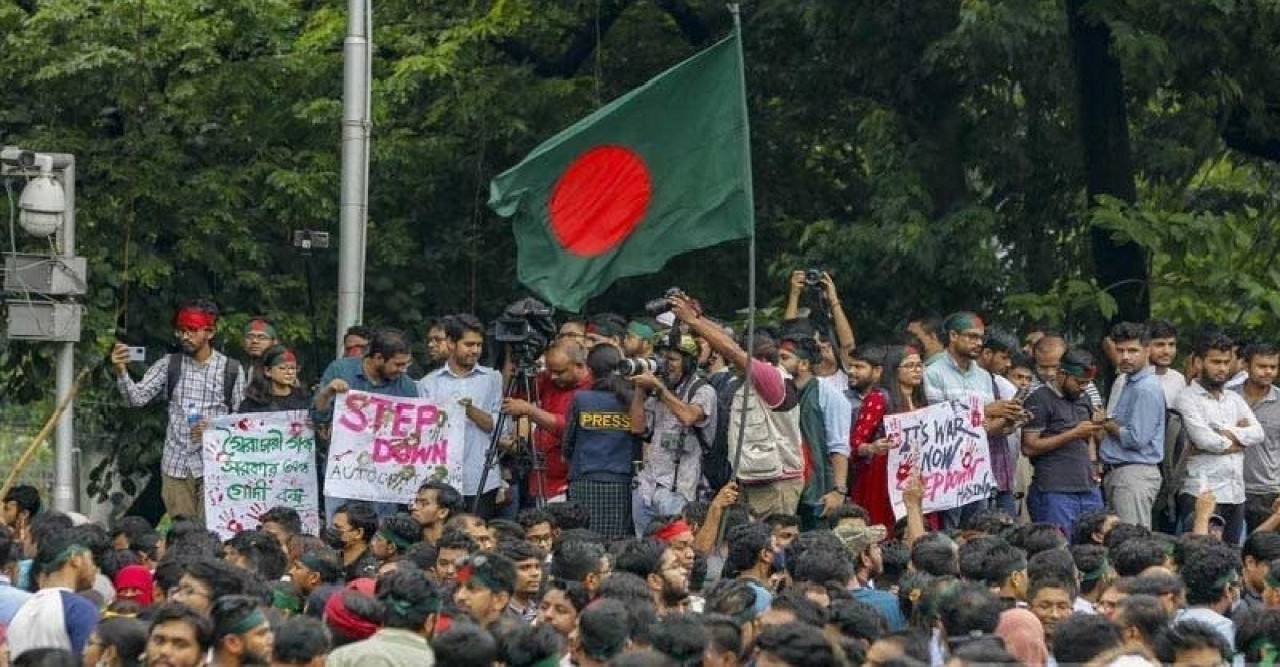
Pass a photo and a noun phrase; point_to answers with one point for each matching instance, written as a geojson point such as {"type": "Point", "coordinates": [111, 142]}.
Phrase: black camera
{"type": "Point", "coordinates": [813, 277]}
{"type": "Point", "coordinates": [526, 328]}
{"type": "Point", "coordinates": [634, 367]}
{"type": "Point", "coordinates": [661, 305]}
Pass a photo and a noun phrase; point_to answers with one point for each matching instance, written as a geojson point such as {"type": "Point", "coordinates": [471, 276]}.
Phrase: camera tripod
{"type": "Point", "coordinates": [521, 384]}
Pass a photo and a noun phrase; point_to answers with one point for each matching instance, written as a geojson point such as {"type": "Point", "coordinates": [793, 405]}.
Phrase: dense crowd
{"type": "Point", "coordinates": [663, 491]}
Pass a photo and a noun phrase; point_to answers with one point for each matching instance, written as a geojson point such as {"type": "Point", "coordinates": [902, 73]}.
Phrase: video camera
{"type": "Point", "coordinates": [526, 326]}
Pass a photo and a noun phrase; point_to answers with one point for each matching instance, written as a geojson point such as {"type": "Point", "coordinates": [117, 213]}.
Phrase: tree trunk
{"type": "Point", "coordinates": [1121, 268]}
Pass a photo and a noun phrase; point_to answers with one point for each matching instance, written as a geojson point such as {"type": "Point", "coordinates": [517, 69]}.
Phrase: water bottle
{"type": "Point", "coordinates": [193, 415]}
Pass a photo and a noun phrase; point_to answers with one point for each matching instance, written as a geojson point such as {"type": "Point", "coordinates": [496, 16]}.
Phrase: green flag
{"type": "Point", "coordinates": [658, 172]}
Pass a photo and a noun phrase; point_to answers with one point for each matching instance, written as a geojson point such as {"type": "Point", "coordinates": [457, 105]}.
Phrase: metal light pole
{"type": "Point", "coordinates": [354, 202]}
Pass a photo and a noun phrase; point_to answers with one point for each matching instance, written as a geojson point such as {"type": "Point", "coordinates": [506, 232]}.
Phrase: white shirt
{"type": "Point", "coordinates": [839, 381]}
{"type": "Point", "coordinates": [1171, 381]}
{"type": "Point", "coordinates": [1203, 415]}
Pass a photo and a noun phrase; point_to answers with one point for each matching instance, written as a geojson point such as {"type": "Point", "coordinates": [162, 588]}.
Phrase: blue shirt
{"type": "Point", "coordinates": [483, 386]}
{"type": "Point", "coordinates": [11, 598]}
{"type": "Point", "coordinates": [351, 369]}
{"type": "Point", "coordinates": [944, 380]}
{"type": "Point", "coordinates": [886, 603]}
{"type": "Point", "coordinates": [1140, 414]}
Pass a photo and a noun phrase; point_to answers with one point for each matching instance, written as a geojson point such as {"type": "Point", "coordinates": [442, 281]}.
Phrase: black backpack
{"type": "Point", "coordinates": [230, 374]}
{"type": "Point", "coordinates": [716, 467]}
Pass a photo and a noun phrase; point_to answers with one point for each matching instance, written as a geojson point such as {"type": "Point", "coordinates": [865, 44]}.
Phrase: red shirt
{"type": "Point", "coordinates": [555, 400]}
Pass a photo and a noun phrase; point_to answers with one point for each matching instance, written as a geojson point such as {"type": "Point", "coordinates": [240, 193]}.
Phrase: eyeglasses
{"type": "Point", "coordinates": [911, 366]}
{"type": "Point", "coordinates": [186, 333]}
{"type": "Point", "coordinates": [257, 336]}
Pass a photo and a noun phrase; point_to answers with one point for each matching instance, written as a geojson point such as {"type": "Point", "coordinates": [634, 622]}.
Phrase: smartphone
{"type": "Point", "coordinates": [138, 354]}
{"type": "Point", "coordinates": [1022, 394]}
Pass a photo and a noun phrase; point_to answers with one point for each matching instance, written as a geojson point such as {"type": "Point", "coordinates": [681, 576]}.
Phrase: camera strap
{"type": "Point", "coordinates": [690, 388]}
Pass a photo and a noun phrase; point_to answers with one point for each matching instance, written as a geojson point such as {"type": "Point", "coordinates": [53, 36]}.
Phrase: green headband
{"type": "Point", "coordinates": [391, 537]}
{"type": "Point", "coordinates": [285, 602]}
{"type": "Point", "coordinates": [962, 322]}
{"type": "Point", "coordinates": [65, 555]}
{"type": "Point", "coordinates": [251, 620]}
{"type": "Point", "coordinates": [1101, 571]}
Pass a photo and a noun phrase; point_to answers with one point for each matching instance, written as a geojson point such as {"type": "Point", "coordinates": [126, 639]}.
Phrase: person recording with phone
{"type": "Point", "coordinates": [200, 383]}
{"type": "Point", "coordinates": [679, 409]}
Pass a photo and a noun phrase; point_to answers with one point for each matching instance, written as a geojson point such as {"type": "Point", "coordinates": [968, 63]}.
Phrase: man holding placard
{"type": "Point", "coordinates": [956, 376]}
{"type": "Point", "coordinates": [478, 389]}
{"type": "Point", "coordinates": [380, 371]}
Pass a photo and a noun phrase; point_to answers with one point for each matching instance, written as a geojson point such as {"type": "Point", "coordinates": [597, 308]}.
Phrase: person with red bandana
{"type": "Point", "coordinates": [259, 336]}
{"type": "Point", "coordinates": [197, 394]}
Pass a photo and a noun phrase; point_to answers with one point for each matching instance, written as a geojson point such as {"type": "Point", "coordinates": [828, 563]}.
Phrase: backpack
{"type": "Point", "coordinates": [231, 372]}
{"type": "Point", "coordinates": [771, 440]}
{"type": "Point", "coordinates": [716, 467]}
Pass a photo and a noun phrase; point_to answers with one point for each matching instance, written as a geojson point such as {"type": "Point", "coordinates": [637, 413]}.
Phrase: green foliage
{"type": "Point", "coordinates": [925, 151]}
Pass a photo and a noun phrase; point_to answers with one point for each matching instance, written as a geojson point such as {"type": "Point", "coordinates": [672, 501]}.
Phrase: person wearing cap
{"type": "Point", "coordinates": [863, 544]}
{"type": "Point", "coordinates": [199, 394]}
{"type": "Point", "coordinates": [274, 385]}
{"type": "Point", "coordinates": [679, 410]}
{"type": "Point", "coordinates": [241, 634]}
{"type": "Point", "coordinates": [1220, 426]}
{"type": "Point", "coordinates": [1056, 441]}
{"type": "Point", "coordinates": [638, 343]}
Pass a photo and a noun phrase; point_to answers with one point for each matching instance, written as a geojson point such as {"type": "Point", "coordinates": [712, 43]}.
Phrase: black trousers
{"type": "Point", "coordinates": [1233, 514]}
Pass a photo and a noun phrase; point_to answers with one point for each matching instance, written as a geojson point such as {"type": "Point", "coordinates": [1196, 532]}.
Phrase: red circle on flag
{"type": "Point", "coordinates": [600, 199]}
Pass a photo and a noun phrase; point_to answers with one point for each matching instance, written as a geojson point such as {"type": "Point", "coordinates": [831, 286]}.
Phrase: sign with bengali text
{"type": "Point", "coordinates": [947, 443]}
{"type": "Point", "coordinates": [256, 461]}
{"type": "Point", "coordinates": [384, 447]}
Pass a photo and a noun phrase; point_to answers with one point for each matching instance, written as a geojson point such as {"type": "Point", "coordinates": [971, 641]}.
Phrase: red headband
{"type": "Point", "coordinates": [671, 530]}
{"type": "Point", "coordinates": [190, 318]}
{"type": "Point", "coordinates": [289, 357]}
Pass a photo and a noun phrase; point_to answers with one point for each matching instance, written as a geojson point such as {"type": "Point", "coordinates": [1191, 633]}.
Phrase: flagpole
{"type": "Point", "coordinates": [751, 238]}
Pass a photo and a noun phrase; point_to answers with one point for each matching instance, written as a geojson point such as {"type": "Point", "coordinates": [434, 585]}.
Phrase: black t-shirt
{"type": "Point", "coordinates": [1066, 469]}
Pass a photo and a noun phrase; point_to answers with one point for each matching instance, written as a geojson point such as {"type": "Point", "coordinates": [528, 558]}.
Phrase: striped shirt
{"type": "Point", "coordinates": [200, 389]}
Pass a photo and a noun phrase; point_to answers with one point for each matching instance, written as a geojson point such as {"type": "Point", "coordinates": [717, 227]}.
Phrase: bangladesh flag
{"type": "Point", "coordinates": [658, 172]}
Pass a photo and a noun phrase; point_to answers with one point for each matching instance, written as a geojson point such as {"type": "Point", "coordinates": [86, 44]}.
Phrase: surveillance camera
{"type": "Point", "coordinates": [27, 159]}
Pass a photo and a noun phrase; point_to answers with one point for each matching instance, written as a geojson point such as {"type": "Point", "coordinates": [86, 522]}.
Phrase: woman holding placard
{"type": "Point", "coordinates": [901, 390]}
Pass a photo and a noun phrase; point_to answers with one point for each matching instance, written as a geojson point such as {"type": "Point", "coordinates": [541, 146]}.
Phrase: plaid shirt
{"type": "Point", "coordinates": [199, 385]}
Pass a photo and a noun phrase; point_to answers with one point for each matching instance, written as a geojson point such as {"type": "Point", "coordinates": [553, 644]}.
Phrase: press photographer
{"type": "Point", "coordinates": [679, 409]}
{"type": "Point", "coordinates": [829, 321]}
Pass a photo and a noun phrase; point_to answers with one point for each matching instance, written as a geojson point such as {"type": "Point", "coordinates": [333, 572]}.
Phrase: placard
{"type": "Point", "coordinates": [384, 447]}
{"type": "Point", "coordinates": [256, 461]}
{"type": "Point", "coordinates": [948, 444]}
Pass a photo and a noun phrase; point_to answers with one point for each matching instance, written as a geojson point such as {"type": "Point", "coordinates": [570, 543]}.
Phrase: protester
{"type": "Point", "coordinates": [200, 384]}
{"type": "Point", "coordinates": [274, 386]}
{"type": "Point", "coordinates": [901, 390]}
{"type": "Point", "coordinates": [478, 389]}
